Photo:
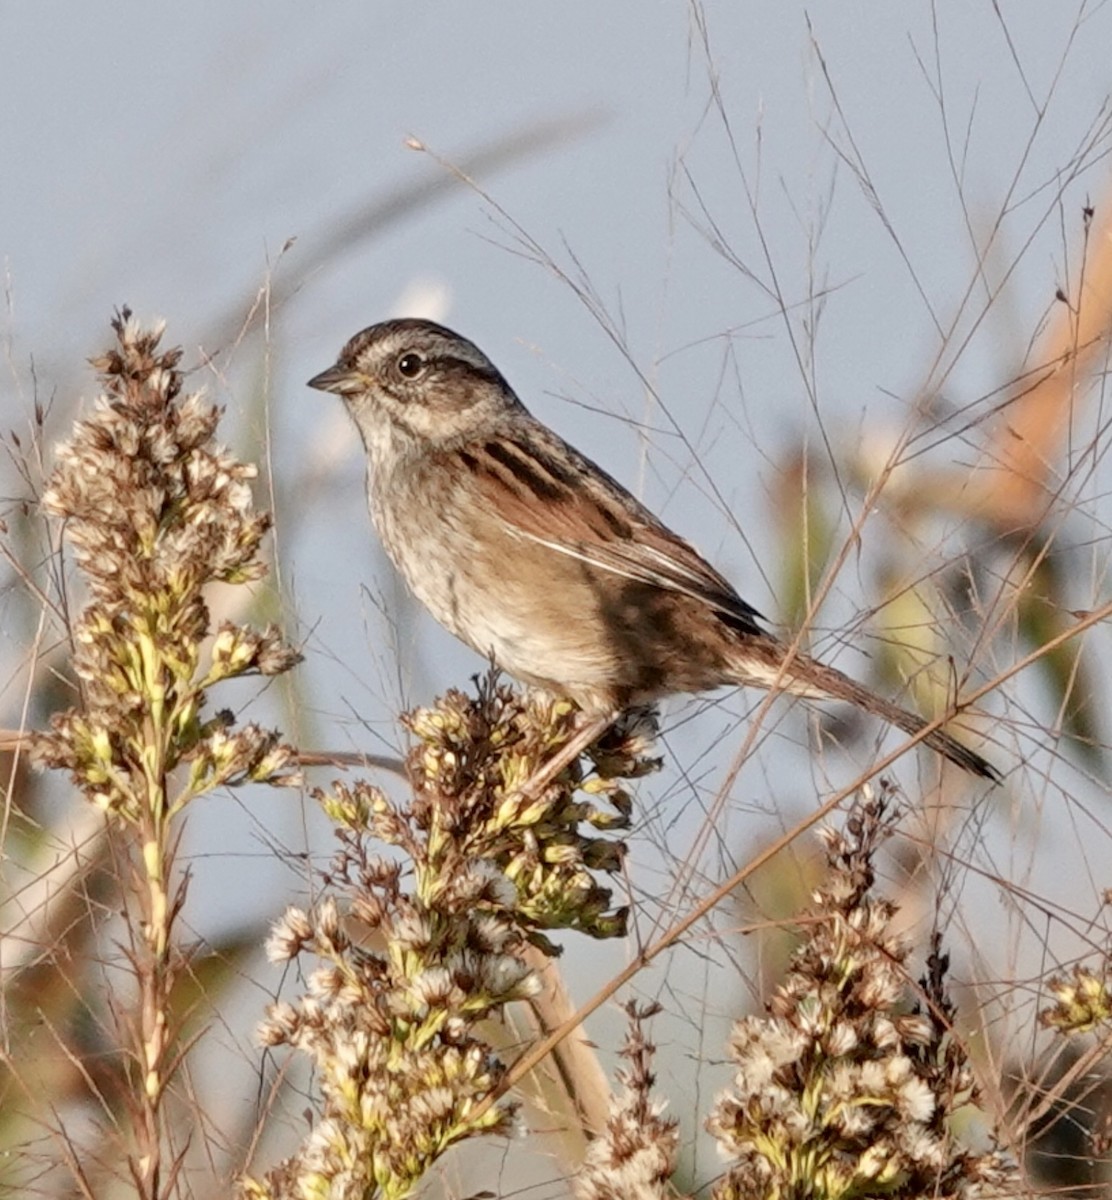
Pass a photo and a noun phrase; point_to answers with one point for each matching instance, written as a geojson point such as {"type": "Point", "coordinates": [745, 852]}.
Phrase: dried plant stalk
{"type": "Point", "coordinates": [842, 1091]}
{"type": "Point", "coordinates": [635, 1155]}
{"type": "Point", "coordinates": [155, 511]}
{"type": "Point", "coordinates": [488, 864]}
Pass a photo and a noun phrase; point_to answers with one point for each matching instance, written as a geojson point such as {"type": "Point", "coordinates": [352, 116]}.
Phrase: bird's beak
{"type": "Point", "coordinates": [340, 380]}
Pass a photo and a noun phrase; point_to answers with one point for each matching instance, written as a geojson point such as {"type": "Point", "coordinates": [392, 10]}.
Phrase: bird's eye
{"type": "Point", "coordinates": [410, 365]}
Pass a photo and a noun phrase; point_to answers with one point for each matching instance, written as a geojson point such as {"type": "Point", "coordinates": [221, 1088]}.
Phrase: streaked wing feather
{"type": "Point", "coordinates": [543, 490]}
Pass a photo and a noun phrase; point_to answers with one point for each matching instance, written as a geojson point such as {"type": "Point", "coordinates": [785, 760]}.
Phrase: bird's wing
{"type": "Point", "coordinates": [543, 490]}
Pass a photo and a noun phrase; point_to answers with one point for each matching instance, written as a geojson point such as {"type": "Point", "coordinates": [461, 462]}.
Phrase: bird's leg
{"type": "Point", "coordinates": [590, 729]}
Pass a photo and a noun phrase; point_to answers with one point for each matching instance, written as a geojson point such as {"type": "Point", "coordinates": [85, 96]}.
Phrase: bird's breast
{"type": "Point", "coordinates": [535, 611]}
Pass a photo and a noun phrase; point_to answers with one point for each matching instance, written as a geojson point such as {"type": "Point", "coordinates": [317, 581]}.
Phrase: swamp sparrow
{"type": "Point", "coordinates": [531, 554]}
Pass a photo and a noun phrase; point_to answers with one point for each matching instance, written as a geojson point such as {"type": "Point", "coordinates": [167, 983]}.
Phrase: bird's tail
{"type": "Point", "coordinates": [760, 662]}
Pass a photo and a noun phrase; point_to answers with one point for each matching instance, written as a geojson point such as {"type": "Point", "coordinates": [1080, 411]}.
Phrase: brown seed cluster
{"type": "Point", "coordinates": [635, 1155]}
{"type": "Point", "coordinates": [413, 958]}
{"type": "Point", "coordinates": [1082, 1001]}
{"type": "Point", "coordinates": [154, 512]}
{"type": "Point", "coordinates": [844, 1090]}
{"type": "Point", "coordinates": [470, 769]}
